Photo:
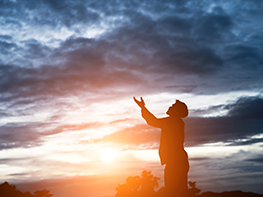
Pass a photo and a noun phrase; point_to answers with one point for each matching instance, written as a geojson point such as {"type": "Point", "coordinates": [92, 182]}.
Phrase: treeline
{"type": "Point", "coordinates": [135, 186]}
{"type": "Point", "coordinates": [144, 185]}
{"type": "Point", "coordinates": [230, 194]}
{"type": "Point", "coordinates": [7, 190]}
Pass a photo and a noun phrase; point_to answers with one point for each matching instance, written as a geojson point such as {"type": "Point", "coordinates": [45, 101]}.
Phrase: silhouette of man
{"type": "Point", "coordinates": [171, 150]}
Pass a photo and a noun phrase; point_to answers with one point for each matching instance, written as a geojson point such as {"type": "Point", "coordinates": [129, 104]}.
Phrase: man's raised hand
{"type": "Point", "coordinates": [141, 103]}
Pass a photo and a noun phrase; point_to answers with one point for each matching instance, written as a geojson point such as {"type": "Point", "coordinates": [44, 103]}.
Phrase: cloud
{"type": "Point", "coordinates": [11, 160]}
{"type": "Point", "coordinates": [58, 57]}
{"type": "Point", "coordinates": [154, 44]}
{"type": "Point", "coordinates": [171, 46]}
{"type": "Point", "coordinates": [191, 48]}
{"type": "Point", "coordinates": [214, 25]}
{"type": "Point", "coordinates": [54, 13]}
{"type": "Point", "coordinates": [133, 136]}
{"type": "Point", "coordinates": [6, 46]}
{"type": "Point", "coordinates": [198, 158]}
{"type": "Point", "coordinates": [84, 70]}
{"type": "Point", "coordinates": [247, 108]}
{"type": "Point", "coordinates": [73, 127]}
{"type": "Point", "coordinates": [30, 134]}
{"type": "Point", "coordinates": [234, 169]}
{"type": "Point", "coordinates": [258, 159]}
{"type": "Point", "coordinates": [243, 121]}
{"type": "Point", "coordinates": [247, 141]}
{"type": "Point", "coordinates": [161, 45]}
{"type": "Point", "coordinates": [14, 135]}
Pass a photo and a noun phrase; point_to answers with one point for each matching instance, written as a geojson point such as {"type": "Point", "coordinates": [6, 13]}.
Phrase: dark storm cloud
{"type": "Point", "coordinates": [18, 174]}
{"type": "Point", "coordinates": [183, 88]}
{"type": "Point", "coordinates": [202, 47]}
{"type": "Point", "coordinates": [34, 49]}
{"type": "Point", "coordinates": [5, 37]}
{"type": "Point", "coordinates": [46, 12]}
{"type": "Point", "coordinates": [247, 108]}
{"type": "Point", "coordinates": [199, 158]}
{"type": "Point", "coordinates": [242, 121]}
{"type": "Point", "coordinates": [246, 142]}
{"type": "Point", "coordinates": [5, 47]}
{"type": "Point", "coordinates": [84, 69]}
{"type": "Point", "coordinates": [14, 135]}
{"type": "Point", "coordinates": [164, 40]}
{"type": "Point", "coordinates": [213, 26]}
{"type": "Point", "coordinates": [258, 159]}
{"type": "Point", "coordinates": [210, 110]}
{"type": "Point", "coordinates": [14, 160]}
{"type": "Point", "coordinates": [162, 50]}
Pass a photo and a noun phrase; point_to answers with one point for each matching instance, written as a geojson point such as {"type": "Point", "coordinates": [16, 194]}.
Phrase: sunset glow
{"type": "Point", "coordinates": [69, 71]}
{"type": "Point", "coordinates": [107, 154]}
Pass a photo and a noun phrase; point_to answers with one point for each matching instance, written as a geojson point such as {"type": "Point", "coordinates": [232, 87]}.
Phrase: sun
{"type": "Point", "coordinates": [107, 154]}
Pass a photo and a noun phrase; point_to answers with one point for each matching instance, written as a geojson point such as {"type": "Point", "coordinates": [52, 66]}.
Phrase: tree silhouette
{"type": "Point", "coordinates": [7, 190]}
{"type": "Point", "coordinates": [143, 186]}
{"type": "Point", "coordinates": [193, 190]}
{"type": "Point", "coordinates": [138, 186]}
{"type": "Point", "coordinates": [10, 190]}
{"type": "Point", "coordinates": [148, 183]}
{"type": "Point", "coordinates": [43, 193]}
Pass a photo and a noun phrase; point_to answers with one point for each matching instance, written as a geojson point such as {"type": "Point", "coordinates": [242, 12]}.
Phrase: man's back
{"type": "Point", "coordinates": [172, 140]}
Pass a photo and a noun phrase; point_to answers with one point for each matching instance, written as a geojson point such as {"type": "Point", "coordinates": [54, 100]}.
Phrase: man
{"type": "Point", "coordinates": [171, 150]}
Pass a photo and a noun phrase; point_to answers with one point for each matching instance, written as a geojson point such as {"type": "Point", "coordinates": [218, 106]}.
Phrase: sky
{"type": "Point", "coordinates": [69, 71]}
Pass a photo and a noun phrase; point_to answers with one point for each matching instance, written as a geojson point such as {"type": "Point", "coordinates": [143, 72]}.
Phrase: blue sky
{"type": "Point", "coordinates": [69, 70]}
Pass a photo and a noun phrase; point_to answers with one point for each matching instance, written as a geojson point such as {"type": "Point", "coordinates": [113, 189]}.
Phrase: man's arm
{"type": "Point", "coordinates": [148, 116]}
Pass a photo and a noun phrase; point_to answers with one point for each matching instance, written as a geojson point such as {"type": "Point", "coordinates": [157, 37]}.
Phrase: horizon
{"type": "Point", "coordinates": [69, 71]}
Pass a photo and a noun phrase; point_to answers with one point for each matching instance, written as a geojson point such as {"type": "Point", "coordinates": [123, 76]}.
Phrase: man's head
{"type": "Point", "coordinates": [178, 109]}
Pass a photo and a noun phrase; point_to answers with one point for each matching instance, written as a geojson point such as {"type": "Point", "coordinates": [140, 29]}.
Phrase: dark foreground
{"type": "Point", "coordinates": [230, 194]}
{"type": "Point", "coordinates": [161, 193]}
{"type": "Point", "coordinates": [7, 190]}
